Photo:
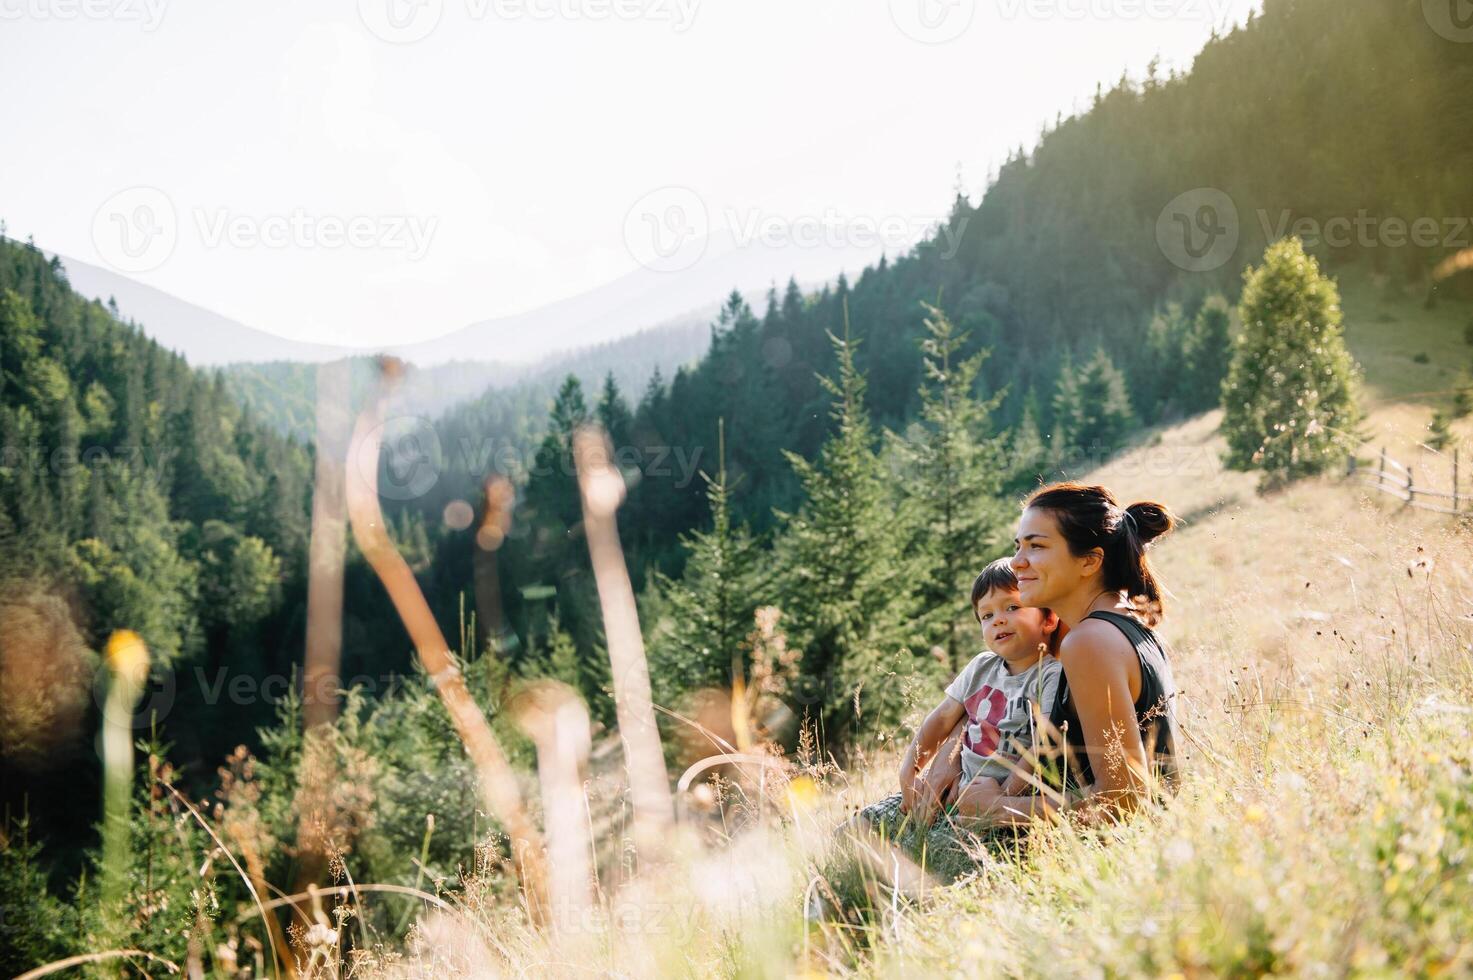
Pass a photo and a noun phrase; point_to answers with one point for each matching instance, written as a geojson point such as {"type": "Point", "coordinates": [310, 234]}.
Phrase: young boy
{"type": "Point", "coordinates": [992, 702]}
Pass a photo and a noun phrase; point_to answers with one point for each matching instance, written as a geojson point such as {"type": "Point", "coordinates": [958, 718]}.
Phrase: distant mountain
{"type": "Point", "coordinates": [648, 296]}
{"type": "Point", "coordinates": [202, 336]}
{"type": "Point", "coordinates": [643, 322]}
{"type": "Point", "coordinates": [282, 393]}
{"type": "Point", "coordinates": [640, 300]}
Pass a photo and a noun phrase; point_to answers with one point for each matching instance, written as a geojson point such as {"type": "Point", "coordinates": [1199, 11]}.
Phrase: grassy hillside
{"type": "Point", "coordinates": [1323, 639]}
{"type": "Point", "coordinates": [1387, 330]}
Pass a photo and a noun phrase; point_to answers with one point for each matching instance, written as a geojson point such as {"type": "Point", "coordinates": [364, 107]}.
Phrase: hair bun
{"type": "Point", "coordinates": [1151, 520]}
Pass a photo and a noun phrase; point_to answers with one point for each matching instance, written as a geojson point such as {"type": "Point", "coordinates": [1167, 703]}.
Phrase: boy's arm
{"type": "Point", "coordinates": [937, 785]}
{"type": "Point", "coordinates": [1018, 783]}
{"type": "Point", "coordinates": [933, 731]}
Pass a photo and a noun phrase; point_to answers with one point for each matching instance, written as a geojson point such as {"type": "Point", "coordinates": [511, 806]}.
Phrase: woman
{"type": "Point", "coordinates": [1081, 554]}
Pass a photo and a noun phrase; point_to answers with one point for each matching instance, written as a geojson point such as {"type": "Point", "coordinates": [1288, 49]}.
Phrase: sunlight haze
{"type": "Point", "coordinates": [325, 173]}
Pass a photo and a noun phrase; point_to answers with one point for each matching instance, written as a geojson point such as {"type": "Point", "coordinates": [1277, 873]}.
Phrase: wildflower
{"type": "Point", "coordinates": [321, 935]}
{"type": "Point", "coordinates": [127, 655]}
{"type": "Point", "coordinates": [802, 793]}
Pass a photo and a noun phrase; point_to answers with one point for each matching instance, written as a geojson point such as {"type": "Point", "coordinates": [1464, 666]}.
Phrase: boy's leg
{"type": "Point", "coordinates": [883, 817]}
{"type": "Point", "coordinates": [957, 846]}
{"type": "Point", "coordinates": [940, 782]}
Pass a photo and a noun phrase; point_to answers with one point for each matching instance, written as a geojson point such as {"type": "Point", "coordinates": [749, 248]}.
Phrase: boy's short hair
{"type": "Point", "coordinates": [997, 575]}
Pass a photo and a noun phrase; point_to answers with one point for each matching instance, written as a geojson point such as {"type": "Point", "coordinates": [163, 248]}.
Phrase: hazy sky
{"type": "Point", "coordinates": [380, 171]}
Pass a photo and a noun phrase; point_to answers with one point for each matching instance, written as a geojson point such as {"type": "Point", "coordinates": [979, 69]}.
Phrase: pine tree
{"type": "Point", "coordinates": [33, 923]}
{"type": "Point", "coordinates": [1462, 400]}
{"type": "Point", "coordinates": [1107, 417]}
{"type": "Point", "coordinates": [1160, 392]}
{"type": "Point", "coordinates": [1439, 431]}
{"type": "Point", "coordinates": [1092, 408]}
{"type": "Point", "coordinates": [847, 583]}
{"type": "Point", "coordinates": [1289, 402]}
{"type": "Point", "coordinates": [1027, 451]}
{"type": "Point", "coordinates": [1205, 353]}
{"type": "Point", "coordinates": [555, 555]}
{"type": "Point", "coordinates": [552, 490]}
{"type": "Point", "coordinates": [1066, 407]}
{"type": "Point", "coordinates": [560, 659]}
{"type": "Point", "coordinates": [953, 481]}
{"type": "Point", "coordinates": [613, 413]}
{"type": "Point", "coordinates": [708, 610]}
{"type": "Point", "coordinates": [653, 399]}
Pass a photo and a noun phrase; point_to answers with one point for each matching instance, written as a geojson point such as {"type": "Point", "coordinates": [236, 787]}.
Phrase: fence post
{"type": "Point", "coordinates": [1411, 489]}
{"type": "Point", "coordinates": [1381, 473]}
{"type": "Point", "coordinates": [1455, 479]}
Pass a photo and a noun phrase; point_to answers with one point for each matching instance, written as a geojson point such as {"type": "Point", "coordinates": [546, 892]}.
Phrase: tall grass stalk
{"type": "Point", "coordinates": [126, 657]}
{"type": "Point", "coordinates": [498, 783]}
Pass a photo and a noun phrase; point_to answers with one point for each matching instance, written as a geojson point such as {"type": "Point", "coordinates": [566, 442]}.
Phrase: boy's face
{"type": "Point", "coordinates": [1012, 630]}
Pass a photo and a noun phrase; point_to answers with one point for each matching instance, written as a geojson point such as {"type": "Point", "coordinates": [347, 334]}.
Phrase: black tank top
{"type": "Point", "coordinates": [1155, 708]}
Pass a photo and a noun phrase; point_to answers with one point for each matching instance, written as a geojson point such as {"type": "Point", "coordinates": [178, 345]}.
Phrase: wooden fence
{"type": "Point", "coordinates": [1424, 491]}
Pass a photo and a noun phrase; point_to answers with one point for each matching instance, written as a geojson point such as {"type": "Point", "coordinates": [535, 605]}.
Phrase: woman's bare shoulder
{"type": "Point", "coordinates": [1094, 639]}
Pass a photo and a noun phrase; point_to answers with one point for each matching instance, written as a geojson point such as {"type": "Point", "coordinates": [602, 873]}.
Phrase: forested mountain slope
{"type": "Point", "coordinates": [1088, 270]}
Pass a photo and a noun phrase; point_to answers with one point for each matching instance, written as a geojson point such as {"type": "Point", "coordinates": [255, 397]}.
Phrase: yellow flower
{"type": "Point", "coordinates": [127, 656]}
{"type": "Point", "coordinates": [802, 794]}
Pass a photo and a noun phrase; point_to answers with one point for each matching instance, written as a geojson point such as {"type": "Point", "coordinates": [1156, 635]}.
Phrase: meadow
{"type": "Point", "coordinates": [1323, 642]}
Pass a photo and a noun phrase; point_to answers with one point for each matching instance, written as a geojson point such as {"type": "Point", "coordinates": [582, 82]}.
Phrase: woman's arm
{"type": "Point", "coordinates": [1098, 664]}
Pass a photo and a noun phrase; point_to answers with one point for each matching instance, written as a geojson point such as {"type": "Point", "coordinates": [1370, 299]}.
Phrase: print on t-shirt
{"type": "Point", "coordinates": [982, 735]}
{"type": "Point", "coordinates": [999, 707]}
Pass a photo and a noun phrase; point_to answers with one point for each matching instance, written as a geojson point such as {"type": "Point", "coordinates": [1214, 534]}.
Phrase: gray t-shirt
{"type": "Point", "coordinates": [1000, 719]}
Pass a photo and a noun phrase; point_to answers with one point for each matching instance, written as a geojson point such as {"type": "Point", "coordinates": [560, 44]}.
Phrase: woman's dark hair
{"type": "Point", "coordinates": [1090, 517]}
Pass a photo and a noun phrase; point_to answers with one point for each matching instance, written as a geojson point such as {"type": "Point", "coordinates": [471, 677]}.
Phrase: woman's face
{"type": "Point", "coordinates": [1045, 568]}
